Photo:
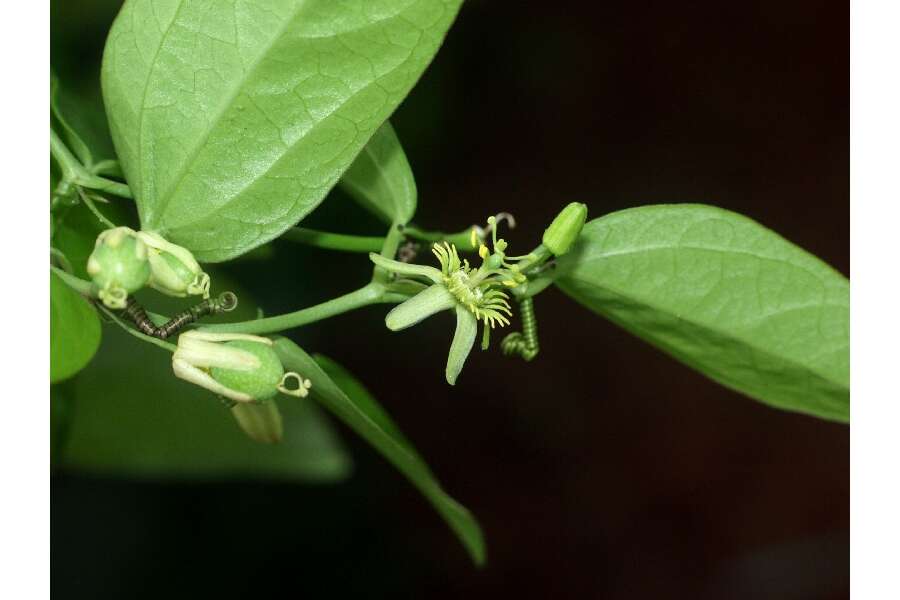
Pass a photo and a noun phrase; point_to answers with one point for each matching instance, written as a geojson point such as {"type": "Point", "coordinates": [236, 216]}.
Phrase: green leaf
{"type": "Point", "coordinates": [232, 125]}
{"type": "Point", "coordinates": [381, 180]}
{"type": "Point", "coordinates": [132, 417]}
{"type": "Point", "coordinates": [371, 425]}
{"type": "Point", "coordinates": [724, 295]}
{"type": "Point", "coordinates": [74, 331]}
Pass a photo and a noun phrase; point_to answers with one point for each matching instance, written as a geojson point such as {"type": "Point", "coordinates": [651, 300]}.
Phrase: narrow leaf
{"type": "Point", "coordinates": [74, 331]}
{"type": "Point", "coordinates": [362, 398]}
{"type": "Point", "coordinates": [724, 295]}
{"type": "Point", "coordinates": [381, 180]}
{"type": "Point", "coordinates": [397, 450]}
{"type": "Point", "coordinates": [232, 125]}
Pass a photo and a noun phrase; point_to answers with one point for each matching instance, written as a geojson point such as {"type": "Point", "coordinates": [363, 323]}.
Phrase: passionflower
{"type": "Point", "coordinates": [239, 367]}
{"type": "Point", "coordinates": [473, 294]}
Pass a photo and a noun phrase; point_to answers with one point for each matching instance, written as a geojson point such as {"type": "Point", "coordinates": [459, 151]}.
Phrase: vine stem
{"type": "Point", "coordinates": [372, 293]}
{"type": "Point", "coordinates": [364, 244]}
{"type": "Point", "coordinates": [147, 338]}
{"type": "Point", "coordinates": [333, 241]}
{"type": "Point", "coordinates": [459, 239]}
{"type": "Point", "coordinates": [85, 288]}
{"type": "Point", "coordinates": [74, 172]}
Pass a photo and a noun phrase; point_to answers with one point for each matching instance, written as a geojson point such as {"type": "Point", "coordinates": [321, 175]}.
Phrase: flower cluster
{"type": "Point", "coordinates": [124, 261]}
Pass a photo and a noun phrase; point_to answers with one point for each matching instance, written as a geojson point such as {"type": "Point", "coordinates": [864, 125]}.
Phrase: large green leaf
{"type": "Point", "coordinates": [131, 417]}
{"type": "Point", "coordinates": [361, 413]}
{"type": "Point", "coordinates": [381, 180]}
{"type": "Point", "coordinates": [724, 295]}
{"type": "Point", "coordinates": [74, 331]}
{"type": "Point", "coordinates": [232, 125]}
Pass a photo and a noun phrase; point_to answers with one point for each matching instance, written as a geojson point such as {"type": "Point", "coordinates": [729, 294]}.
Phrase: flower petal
{"type": "Point", "coordinates": [395, 266]}
{"type": "Point", "coordinates": [421, 306]}
{"type": "Point", "coordinates": [463, 340]}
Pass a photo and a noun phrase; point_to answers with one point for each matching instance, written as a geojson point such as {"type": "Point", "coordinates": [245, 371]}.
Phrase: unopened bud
{"type": "Point", "coordinates": [174, 270]}
{"type": "Point", "coordinates": [118, 265]}
{"type": "Point", "coordinates": [260, 382]}
{"type": "Point", "coordinates": [261, 422]}
{"type": "Point", "coordinates": [565, 228]}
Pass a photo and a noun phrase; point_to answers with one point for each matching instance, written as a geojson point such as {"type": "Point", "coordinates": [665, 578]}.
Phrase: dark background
{"type": "Point", "coordinates": [604, 469]}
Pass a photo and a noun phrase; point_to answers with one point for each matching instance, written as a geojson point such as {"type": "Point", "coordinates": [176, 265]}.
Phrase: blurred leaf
{"type": "Point", "coordinates": [132, 417]}
{"type": "Point", "coordinates": [724, 295]}
{"type": "Point", "coordinates": [74, 331]}
{"type": "Point", "coordinates": [60, 419]}
{"type": "Point", "coordinates": [370, 424]}
{"type": "Point", "coordinates": [230, 129]}
{"type": "Point", "coordinates": [381, 180]}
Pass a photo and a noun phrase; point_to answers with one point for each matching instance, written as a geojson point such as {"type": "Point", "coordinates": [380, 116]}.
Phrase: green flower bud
{"type": "Point", "coordinates": [118, 265]}
{"type": "Point", "coordinates": [565, 228]}
{"type": "Point", "coordinates": [261, 382]}
{"type": "Point", "coordinates": [239, 367]}
{"type": "Point", "coordinates": [174, 270]}
{"type": "Point", "coordinates": [261, 422]}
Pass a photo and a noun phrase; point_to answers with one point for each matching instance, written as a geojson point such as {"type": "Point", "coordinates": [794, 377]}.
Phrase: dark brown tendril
{"type": "Point", "coordinates": [226, 302]}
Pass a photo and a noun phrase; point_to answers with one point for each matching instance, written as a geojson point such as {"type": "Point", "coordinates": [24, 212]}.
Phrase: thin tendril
{"type": "Point", "coordinates": [90, 204]}
{"type": "Point", "coordinates": [135, 332]}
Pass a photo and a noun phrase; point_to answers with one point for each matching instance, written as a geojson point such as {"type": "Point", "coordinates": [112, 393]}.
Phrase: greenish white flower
{"type": "Point", "coordinates": [239, 367]}
{"type": "Point", "coordinates": [118, 265]}
{"type": "Point", "coordinates": [473, 294]}
{"type": "Point", "coordinates": [174, 270]}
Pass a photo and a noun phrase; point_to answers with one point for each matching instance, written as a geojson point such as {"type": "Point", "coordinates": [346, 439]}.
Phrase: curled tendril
{"type": "Point", "coordinates": [301, 390]}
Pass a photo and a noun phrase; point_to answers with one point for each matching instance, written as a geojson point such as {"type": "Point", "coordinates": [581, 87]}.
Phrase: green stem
{"type": "Point", "coordinates": [537, 257]}
{"type": "Point", "coordinates": [333, 241]}
{"type": "Point", "coordinates": [372, 293]}
{"type": "Point", "coordinates": [389, 246]}
{"type": "Point", "coordinates": [85, 288]}
{"type": "Point", "coordinates": [74, 172]}
{"type": "Point", "coordinates": [147, 338]}
{"type": "Point", "coordinates": [93, 208]}
{"type": "Point", "coordinates": [460, 239]}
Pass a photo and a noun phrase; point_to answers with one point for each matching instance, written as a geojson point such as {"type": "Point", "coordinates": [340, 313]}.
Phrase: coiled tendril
{"type": "Point", "coordinates": [524, 343]}
{"type": "Point", "coordinates": [226, 302]}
